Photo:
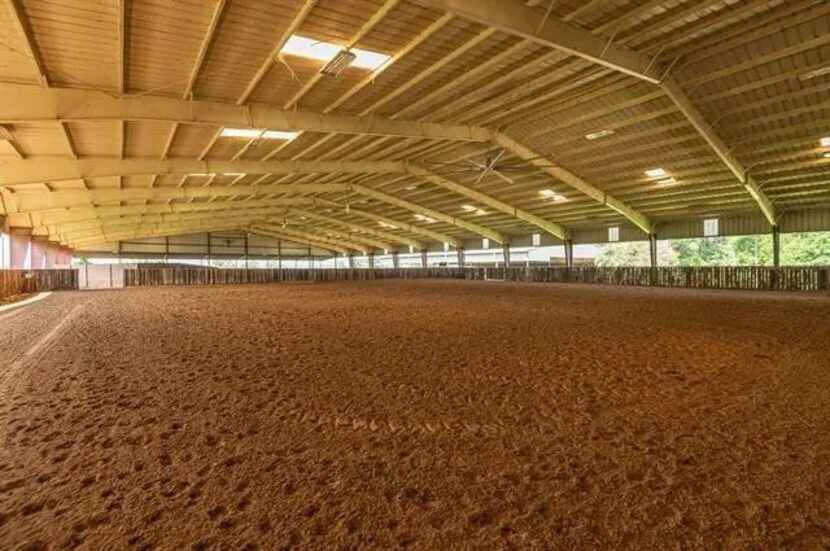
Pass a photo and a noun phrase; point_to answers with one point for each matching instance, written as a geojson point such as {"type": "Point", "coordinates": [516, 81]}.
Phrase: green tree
{"type": "Point", "coordinates": [805, 249]}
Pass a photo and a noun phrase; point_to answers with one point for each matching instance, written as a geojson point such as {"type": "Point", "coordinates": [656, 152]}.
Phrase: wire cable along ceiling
{"type": "Point", "coordinates": [407, 123]}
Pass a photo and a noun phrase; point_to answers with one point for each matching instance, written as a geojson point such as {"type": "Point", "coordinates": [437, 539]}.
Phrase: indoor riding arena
{"type": "Point", "coordinates": [414, 274]}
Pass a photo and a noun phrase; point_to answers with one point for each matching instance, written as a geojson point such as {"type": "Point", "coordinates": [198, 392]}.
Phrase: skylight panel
{"type": "Point", "coordinates": [253, 133]}
{"type": "Point", "coordinates": [551, 195]}
{"type": "Point", "coordinates": [240, 133]}
{"type": "Point", "coordinates": [279, 135]}
{"type": "Point", "coordinates": [308, 48]}
{"type": "Point", "coordinates": [368, 60]}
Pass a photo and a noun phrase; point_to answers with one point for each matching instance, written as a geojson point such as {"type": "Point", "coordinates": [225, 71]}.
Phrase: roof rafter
{"type": "Point", "coordinates": [571, 179]}
{"type": "Point", "coordinates": [89, 212]}
{"type": "Point", "coordinates": [68, 231]}
{"type": "Point", "coordinates": [556, 230]}
{"type": "Point", "coordinates": [28, 104]}
{"type": "Point", "coordinates": [388, 236]}
{"type": "Point", "coordinates": [717, 145]}
{"type": "Point", "coordinates": [342, 246]}
{"type": "Point", "coordinates": [54, 169]}
{"type": "Point", "coordinates": [384, 10]}
{"type": "Point", "coordinates": [207, 41]}
{"type": "Point", "coordinates": [561, 35]}
{"type": "Point", "coordinates": [411, 228]}
{"type": "Point", "coordinates": [434, 214]}
{"type": "Point", "coordinates": [158, 231]}
{"type": "Point", "coordinates": [303, 12]}
{"type": "Point", "coordinates": [21, 23]}
{"type": "Point", "coordinates": [368, 243]}
{"type": "Point", "coordinates": [523, 21]}
{"type": "Point", "coordinates": [38, 201]}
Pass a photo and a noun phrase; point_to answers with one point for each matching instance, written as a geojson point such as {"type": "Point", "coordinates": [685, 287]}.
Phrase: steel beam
{"type": "Point", "coordinates": [31, 104]}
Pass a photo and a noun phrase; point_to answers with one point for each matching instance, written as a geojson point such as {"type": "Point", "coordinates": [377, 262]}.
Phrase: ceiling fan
{"type": "Point", "coordinates": [491, 163]}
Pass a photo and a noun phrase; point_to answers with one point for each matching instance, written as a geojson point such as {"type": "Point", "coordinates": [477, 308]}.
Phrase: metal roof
{"type": "Point", "coordinates": [112, 112]}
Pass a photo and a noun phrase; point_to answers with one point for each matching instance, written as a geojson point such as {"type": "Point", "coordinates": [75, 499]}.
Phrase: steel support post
{"type": "Point", "coordinates": [776, 247]}
{"type": "Point", "coordinates": [569, 254]}
{"type": "Point", "coordinates": [652, 249]}
{"type": "Point", "coordinates": [247, 273]}
{"type": "Point", "coordinates": [52, 250]}
{"type": "Point", "coordinates": [38, 252]}
{"type": "Point", "coordinates": [506, 252]}
{"type": "Point", "coordinates": [424, 258]}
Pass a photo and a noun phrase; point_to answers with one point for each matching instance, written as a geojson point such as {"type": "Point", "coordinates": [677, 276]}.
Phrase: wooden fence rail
{"type": "Point", "coordinates": [743, 277]}
{"type": "Point", "coordinates": [791, 278]}
{"type": "Point", "coordinates": [143, 277]}
{"type": "Point", "coordinates": [18, 282]}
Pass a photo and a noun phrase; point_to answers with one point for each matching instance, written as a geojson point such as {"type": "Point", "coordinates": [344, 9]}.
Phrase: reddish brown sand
{"type": "Point", "coordinates": [425, 414]}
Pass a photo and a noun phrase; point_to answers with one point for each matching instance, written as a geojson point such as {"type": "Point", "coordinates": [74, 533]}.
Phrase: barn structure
{"type": "Point", "coordinates": [387, 140]}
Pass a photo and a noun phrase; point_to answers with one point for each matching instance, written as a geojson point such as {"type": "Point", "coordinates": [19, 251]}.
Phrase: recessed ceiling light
{"type": "Point", "coordinates": [597, 135]}
{"type": "Point", "coordinates": [468, 208]}
{"type": "Point", "coordinates": [387, 225]}
{"type": "Point", "coordinates": [411, 188]}
{"type": "Point", "coordinates": [656, 173]}
{"type": "Point", "coordinates": [825, 142]}
{"type": "Point", "coordinates": [302, 46]}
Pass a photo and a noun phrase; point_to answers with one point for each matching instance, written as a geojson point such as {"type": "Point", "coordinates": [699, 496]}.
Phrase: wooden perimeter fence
{"type": "Point", "coordinates": [18, 282]}
{"type": "Point", "coordinates": [744, 277]}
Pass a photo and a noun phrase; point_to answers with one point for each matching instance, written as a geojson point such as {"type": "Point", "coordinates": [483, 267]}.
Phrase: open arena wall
{"type": "Point", "coordinates": [806, 278]}
{"type": "Point", "coordinates": [743, 277]}
{"type": "Point", "coordinates": [19, 282]}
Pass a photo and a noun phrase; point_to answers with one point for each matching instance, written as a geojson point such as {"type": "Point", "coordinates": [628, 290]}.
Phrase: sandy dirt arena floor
{"type": "Point", "coordinates": [415, 414]}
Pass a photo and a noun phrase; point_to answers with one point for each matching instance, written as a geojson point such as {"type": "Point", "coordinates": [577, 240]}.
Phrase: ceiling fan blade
{"type": "Point", "coordinates": [503, 177]}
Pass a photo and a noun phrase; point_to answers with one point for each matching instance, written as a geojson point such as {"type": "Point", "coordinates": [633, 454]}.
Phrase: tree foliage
{"type": "Point", "coordinates": [797, 249]}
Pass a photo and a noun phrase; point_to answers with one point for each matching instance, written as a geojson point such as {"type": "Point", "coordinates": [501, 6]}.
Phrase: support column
{"type": "Point", "coordinates": [424, 258]}
{"type": "Point", "coordinates": [652, 248]}
{"type": "Point", "coordinates": [246, 257]}
{"type": "Point", "coordinates": [279, 258]}
{"type": "Point", "coordinates": [351, 261]}
{"type": "Point", "coordinates": [460, 253]}
{"type": "Point", "coordinates": [776, 247]}
{"type": "Point", "coordinates": [52, 254]}
{"type": "Point", "coordinates": [396, 261]}
{"type": "Point", "coordinates": [65, 256]}
{"type": "Point", "coordinates": [371, 260]}
{"type": "Point", "coordinates": [506, 248]}
{"type": "Point", "coordinates": [38, 252]}
{"type": "Point", "coordinates": [569, 254]}
{"type": "Point", "coordinates": [20, 244]}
